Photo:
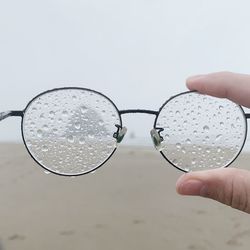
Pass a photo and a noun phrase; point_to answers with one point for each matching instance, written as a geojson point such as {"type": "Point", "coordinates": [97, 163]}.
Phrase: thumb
{"type": "Point", "coordinates": [228, 186]}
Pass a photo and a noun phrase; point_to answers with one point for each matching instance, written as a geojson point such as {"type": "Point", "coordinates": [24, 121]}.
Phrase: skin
{"type": "Point", "coordinates": [229, 186]}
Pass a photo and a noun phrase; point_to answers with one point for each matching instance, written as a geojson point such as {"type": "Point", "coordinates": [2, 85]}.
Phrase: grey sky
{"type": "Point", "coordinates": [138, 53]}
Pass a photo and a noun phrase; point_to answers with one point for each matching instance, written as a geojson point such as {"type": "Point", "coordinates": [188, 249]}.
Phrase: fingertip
{"type": "Point", "coordinates": [191, 187]}
{"type": "Point", "coordinates": [192, 81]}
{"type": "Point", "coordinates": [180, 182]}
{"type": "Point", "coordinates": [192, 183]}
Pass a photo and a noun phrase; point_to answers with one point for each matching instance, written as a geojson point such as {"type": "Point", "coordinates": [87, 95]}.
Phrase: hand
{"type": "Point", "coordinates": [229, 185]}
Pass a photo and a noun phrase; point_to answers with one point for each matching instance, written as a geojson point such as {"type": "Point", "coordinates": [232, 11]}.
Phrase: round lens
{"type": "Point", "coordinates": [201, 132]}
{"type": "Point", "coordinates": [70, 131]}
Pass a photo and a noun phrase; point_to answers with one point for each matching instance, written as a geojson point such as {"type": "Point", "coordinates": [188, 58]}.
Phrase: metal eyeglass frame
{"type": "Point", "coordinates": [121, 131]}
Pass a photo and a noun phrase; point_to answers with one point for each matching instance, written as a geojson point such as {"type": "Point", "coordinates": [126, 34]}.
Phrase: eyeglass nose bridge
{"type": "Point", "coordinates": [155, 132]}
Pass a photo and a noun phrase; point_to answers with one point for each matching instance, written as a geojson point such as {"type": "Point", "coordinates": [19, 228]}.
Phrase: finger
{"type": "Point", "coordinates": [228, 186]}
{"type": "Point", "coordinates": [235, 87]}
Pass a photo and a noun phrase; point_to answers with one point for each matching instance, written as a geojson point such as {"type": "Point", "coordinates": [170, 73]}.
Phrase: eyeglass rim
{"type": "Point", "coordinates": [188, 92]}
{"type": "Point", "coordinates": [58, 89]}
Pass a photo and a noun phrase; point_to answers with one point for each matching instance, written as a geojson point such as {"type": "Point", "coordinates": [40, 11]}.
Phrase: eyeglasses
{"type": "Point", "coordinates": [74, 131]}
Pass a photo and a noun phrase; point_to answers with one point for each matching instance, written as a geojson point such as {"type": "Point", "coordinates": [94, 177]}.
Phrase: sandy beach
{"type": "Point", "coordinates": [129, 203]}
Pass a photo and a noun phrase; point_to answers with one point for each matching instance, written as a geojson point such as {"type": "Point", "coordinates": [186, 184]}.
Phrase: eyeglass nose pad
{"type": "Point", "coordinates": [157, 139]}
{"type": "Point", "coordinates": [121, 132]}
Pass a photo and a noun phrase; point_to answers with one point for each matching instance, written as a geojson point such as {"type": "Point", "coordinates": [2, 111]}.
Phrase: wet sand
{"type": "Point", "coordinates": [129, 203]}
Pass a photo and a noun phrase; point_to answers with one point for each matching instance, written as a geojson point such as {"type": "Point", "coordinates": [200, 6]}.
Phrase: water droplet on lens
{"type": "Point", "coordinates": [44, 148]}
{"type": "Point", "coordinates": [174, 161]}
{"type": "Point", "coordinates": [188, 141]}
{"type": "Point", "coordinates": [65, 113]}
{"type": "Point", "coordinates": [110, 145]}
{"type": "Point", "coordinates": [218, 137]}
{"type": "Point", "coordinates": [222, 123]}
{"type": "Point", "coordinates": [205, 128]}
{"type": "Point", "coordinates": [84, 109]}
{"type": "Point", "coordinates": [51, 113]}
{"type": "Point", "coordinates": [178, 145]}
{"type": "Point", "coordinates": [77, 125]}
{"type": "Point", "coordinates": [55, 130]}
{"type": "Point", "coordinates": [40, 133]}
{"type": "Point", "coordinates": [101, 123]}
{"type": "Point", "coordinates": [91, 136]}
{"type": "Point", "coordinates": [45, 127]}
{"type": "Point", "coordinates": [70, 139]}
{"type": "Point", "coordinates": [82, 140]}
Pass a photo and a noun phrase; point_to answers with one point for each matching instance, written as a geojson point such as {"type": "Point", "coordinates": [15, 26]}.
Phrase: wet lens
{"type": "Point", "coordinates": [70, 131]}
{"type": "Point", "coordinates": [201, 132]}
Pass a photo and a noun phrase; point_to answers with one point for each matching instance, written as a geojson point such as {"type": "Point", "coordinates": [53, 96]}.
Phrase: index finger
{"type": "Point", "coordinates": [235, 87]}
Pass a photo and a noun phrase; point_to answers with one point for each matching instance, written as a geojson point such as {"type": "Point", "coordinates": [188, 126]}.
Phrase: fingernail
{"type": "Point", "coordinates": [192, 187]}
{"type": "Point", "coordinates": [195, 78]}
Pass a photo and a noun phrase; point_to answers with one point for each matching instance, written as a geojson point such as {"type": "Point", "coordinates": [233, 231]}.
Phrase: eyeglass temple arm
{"type": "Point", "coordinates": [6, 114]}
{"type": "Point", "coordinates": [247, 116]}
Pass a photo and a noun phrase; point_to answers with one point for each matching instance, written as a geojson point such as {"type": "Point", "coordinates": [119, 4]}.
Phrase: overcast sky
{"type": "Point", "coordinates": [137, 52]}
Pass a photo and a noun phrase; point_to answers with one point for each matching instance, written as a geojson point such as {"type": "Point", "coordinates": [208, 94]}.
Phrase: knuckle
{"type": "Point", "coordinates": [236, 195]}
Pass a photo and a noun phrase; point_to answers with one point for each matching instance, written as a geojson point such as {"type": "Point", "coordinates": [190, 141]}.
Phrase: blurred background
{"type": "Point", "coordinates": [138, 53]}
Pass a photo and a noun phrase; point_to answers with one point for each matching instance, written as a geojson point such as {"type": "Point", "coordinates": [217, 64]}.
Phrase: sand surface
{"type": "Point", "coordinates": [129, 203]}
